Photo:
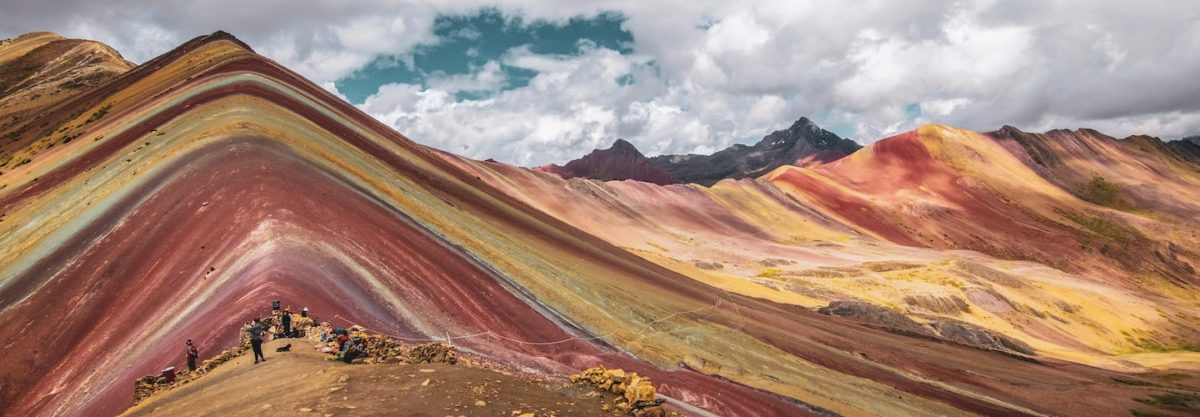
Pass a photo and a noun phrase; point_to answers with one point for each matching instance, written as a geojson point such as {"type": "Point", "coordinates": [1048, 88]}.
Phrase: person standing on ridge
{"type": "Point", "coordinates": [286, 321]}
{"type": "Point", "coordinates": [256, 332]}
{"type": "Point", "coordinates": [192, 354]}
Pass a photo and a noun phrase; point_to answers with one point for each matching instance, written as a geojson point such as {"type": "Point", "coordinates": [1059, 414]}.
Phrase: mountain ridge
{"type": "Point", "coordinates": [802, 143]}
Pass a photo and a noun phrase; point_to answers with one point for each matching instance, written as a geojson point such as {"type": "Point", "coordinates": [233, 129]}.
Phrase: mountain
{"type": "Point", "coordinates": [40, 69]}
{"type": "Point", "coordinates": [801, 144]}
{"type": "Point", "coordinates": [1193, 139]}
{"type": "Point", "coordinates": [937, 272]}
{"type": "Point", "coordinates": [210, 180]}
{"type": "Point", "coordinates": [622, 161]}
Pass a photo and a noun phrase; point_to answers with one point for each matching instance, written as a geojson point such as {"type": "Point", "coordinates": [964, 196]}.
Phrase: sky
{"type": "Point", "coordinates": [531, 82]}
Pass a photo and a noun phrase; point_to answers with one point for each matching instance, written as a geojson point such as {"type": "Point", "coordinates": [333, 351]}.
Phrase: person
{"type": "Point", "coordinates": [342, 340]}
{"type": "Point", "coordinates": [275, 305]}
{"type": "Point", "coordinates": [192, 354]}
{"type": "Point", "coordinates": [286, 321]}
{"type": "Point", "coordinates": [256, 334]}
{"type": "Point", "coordinates": [304, 312]}
{"type": "Point", "coordinates": [354, 349]}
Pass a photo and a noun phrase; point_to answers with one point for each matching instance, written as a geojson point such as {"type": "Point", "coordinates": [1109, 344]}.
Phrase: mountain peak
{"type": "Point", "coordinates": [221, 35]}
{"type": "Point", "coordinates": [803, 123]}
{"type": "Point", "coordinates": [623, 146]}
{"type": "Point", "coordinates": [621, 161]}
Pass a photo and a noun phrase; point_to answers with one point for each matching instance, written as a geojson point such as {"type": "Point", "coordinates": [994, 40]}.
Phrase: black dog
{"type": "Point", "coordinates": [284, 348]}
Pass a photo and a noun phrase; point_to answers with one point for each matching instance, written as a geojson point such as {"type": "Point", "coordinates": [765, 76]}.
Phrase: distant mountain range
{"type": "Point", "coordinates": [801, 144]}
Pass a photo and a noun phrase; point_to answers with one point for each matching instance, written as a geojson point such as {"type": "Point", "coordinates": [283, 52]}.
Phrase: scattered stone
{"type": "Point", "coordinates": [480, 403]}
{"type": "Point", "coordinates": [426, 383]}
{"type": "Point", "coordinates": [305, 410]}
{"type": "Point", "coordinates": [655, 411]}
{"type": "Point", "coordinates": [979, 337]}
{"type": "Point", "coordinates": [890, 320]}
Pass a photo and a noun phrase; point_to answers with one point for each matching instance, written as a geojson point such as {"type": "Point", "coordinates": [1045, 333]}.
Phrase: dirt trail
{"type": "Point", "coordinates": [302, 382]}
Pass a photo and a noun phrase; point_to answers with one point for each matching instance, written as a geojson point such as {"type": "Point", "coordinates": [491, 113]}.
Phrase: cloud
{"type": "Point", "coordinates": [711, 73]}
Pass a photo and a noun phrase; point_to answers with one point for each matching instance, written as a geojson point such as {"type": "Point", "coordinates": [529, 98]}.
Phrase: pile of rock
{"type": "Point", "coordinates": [436, 352]}
{"type": "Point", "coordinates": [637, 392]}
{"type": "Point", "coordinates": [144, 387]}
{"type": "Point", "coordinates": [383, 349]}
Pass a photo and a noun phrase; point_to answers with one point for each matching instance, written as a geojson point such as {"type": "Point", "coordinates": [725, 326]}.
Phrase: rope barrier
{"type": "Point", "coordinates": [450, 338]}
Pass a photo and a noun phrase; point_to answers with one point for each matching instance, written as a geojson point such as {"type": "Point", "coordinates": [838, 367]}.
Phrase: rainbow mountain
{"type": "Point", "coordinates": [938, 272]}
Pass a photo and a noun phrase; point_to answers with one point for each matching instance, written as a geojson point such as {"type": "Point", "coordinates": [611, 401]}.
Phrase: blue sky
{"type": "Point", "coordinates": [531, 82]}
{"type": "Point", "coordinates": [464, 44]}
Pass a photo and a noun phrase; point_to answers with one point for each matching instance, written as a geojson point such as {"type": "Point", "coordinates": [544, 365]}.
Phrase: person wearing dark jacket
{"type": "Point", "coordinates": [256, 333]}
{"type": "Point", "coordinates": [286, 321]}
{"type": "Point", "coordinates": [192, 354]}
{"type": "Point", "coordinates": [354, 349]}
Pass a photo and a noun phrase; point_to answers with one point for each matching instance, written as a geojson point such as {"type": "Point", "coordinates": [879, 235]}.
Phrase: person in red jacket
{"type": "Point", "coordinates": [192, 354]}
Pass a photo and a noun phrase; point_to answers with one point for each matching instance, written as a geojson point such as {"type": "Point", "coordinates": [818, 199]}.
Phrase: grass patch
{"type": "Point", "coordinates": [1169, 400]}
{"type": "Point", "coordinates": [1105, 193]}
{"type": "Point", "coordinates": [1137, 413]}
{"type": "Point", "coordinates": [99, 114]}
{"type": "Point", "coordinates": [657, 246]}
{"type": "Point", "coordinates": [1104, 227]}
{"type": "Point", "coordinates": [1132, 382]}
{"type": "Point", "coordinates": [1175, 377]}
{"type": "Point", "coordinates": [769, 272]}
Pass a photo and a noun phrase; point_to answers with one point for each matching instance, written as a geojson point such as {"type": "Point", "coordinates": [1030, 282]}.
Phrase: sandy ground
{"type": "Point", "coordinates": [302, 382]}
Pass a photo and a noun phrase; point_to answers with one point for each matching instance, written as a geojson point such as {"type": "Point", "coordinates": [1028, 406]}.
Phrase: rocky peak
{"type": "Point", "coordinates": [621, 161]}
{"type": "Point", "coordinates": [803, 132]}
{"type": "Point", "coordinates": [622, 146]}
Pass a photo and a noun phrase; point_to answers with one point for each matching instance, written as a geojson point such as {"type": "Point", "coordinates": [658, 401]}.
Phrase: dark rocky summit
{"type": "Point", "coordinates": [801, 144]}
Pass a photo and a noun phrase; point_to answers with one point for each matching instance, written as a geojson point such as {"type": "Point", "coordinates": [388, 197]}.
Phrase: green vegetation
{"type": "Point", "coordinates": [23, 162]}
{"type": "Point", "coordinates": [1132, 382]}
{"type": "Point", "coordinates": [1105, 193]}
{"type": "Point", "coordinates": [1104, 227]}
{"type": "Point", "coordinates": [1137, 413]}
{"type": "Point", "coordinates": [769, 273]}
{"type": "Point", "coordinates": [16, 134]}
{"type": "Point", "coordinates": [1175, 377]}
{"type": "Point", "coordinates": [1169, 400]}
{"type": "Point", "coordinates": [99, 114]}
